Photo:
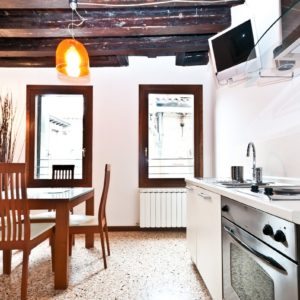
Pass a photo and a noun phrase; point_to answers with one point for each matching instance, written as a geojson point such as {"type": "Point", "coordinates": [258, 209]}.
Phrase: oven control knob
{"type": "Point", "coordinates": [268, 230]}
{"type": "Point", "coordinates": [254, 188]}
{"type": "Point", "coordinates": [268, 191]}
{"type": "Point", "coordinates": [279, 236]}
{"type": "Point", "coordinates": [225, 208]}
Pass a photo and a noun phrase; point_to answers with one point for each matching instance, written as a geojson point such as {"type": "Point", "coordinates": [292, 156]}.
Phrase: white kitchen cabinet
{"type": "Point", "coordinates": [204, 236]}
{"type": "Point", "coordinates": [191, 223]}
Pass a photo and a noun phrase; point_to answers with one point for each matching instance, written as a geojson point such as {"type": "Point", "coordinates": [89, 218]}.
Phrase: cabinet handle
{"type": "Point", "coordinates": [204, 196]}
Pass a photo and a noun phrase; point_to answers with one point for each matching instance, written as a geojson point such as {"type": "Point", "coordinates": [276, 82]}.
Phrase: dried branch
{"type": "Point", "coordinates": [7, 136]}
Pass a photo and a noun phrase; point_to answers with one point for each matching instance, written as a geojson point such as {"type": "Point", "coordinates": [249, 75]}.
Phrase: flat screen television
{"type": "Point", "coordinates": [230, 50]}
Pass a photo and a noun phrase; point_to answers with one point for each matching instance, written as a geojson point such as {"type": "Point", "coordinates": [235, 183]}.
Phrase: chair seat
{"type": "Point", "coordinates": [51, 215]}
{"type": "Point", "coordinates": [75, 219]}
{"type": "Point", "coordinates": [43, 216]}
{"type": "Point", "coordinates": [83, 220]}
{"type": "Point", "coordinates": [37, 229]}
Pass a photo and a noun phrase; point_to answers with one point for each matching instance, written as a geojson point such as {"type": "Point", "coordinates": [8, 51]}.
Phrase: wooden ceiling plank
{"type": "Point", "coordinates": [146, 22]}
{"type": "Point", "coordinates": [191, 58]}
{"type": "Point", "coordinates": [109, 32]}
{"type": "Point", "coordinates": [49, 62]}
{"type": "Point", "coordinates": [113, 17]}
{"type": "Point", "coordinates": [58, 4]}
{"type": "Point", "coordinates": [10, 47]}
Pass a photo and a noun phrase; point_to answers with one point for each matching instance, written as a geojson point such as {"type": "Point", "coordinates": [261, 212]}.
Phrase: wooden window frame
{"type": "Point", "coordinates": [144, 91]}
{"type": "Point", "coordinates": [32, 92]}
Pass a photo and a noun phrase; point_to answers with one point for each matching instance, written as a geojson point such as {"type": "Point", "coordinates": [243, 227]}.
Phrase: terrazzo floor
{"type": "Point", "coordinates": [142, 266]}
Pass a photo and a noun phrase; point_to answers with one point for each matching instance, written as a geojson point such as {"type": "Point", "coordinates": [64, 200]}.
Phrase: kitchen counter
{"type": "Point", "coordinates": [289, 210]}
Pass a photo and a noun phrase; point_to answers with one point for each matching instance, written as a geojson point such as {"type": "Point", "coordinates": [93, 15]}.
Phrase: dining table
{"type": "Point", "coordinates": [61, 200]}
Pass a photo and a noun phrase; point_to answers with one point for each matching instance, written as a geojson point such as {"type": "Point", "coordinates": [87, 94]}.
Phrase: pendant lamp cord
{"type": "Point", "coordinates": [72, 24]}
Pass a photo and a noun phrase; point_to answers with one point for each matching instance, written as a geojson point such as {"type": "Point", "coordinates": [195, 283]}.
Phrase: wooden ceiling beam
{"type": "Point", "coordinates": [49, 62]}
{"type": "Point", "coordinates": [191, 58]}
{"type": "Point", "coordinates": [109, 32]}
{"type": "Point", "coordinates": [58, 4]}
{"type": "Point", "coordinates": [161, 21]}
{"type": "Point", "coordinates": [167, 45]}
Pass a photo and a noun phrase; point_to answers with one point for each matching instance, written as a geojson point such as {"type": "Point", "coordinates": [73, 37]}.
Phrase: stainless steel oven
{"type": "Point", "coordinates": [260, 254]}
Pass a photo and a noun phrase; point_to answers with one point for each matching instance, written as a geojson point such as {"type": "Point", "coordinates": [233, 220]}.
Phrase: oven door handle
{"type": "Point", "coordinates": [267, 259]}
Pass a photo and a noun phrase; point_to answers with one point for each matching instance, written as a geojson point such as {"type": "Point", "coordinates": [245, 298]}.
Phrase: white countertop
{"type": "Point", "coordinates": [289, 210]}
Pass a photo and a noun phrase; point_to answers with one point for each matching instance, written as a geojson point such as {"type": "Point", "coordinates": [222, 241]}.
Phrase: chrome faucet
{"type": "Point", "coordinates": [251, 144]}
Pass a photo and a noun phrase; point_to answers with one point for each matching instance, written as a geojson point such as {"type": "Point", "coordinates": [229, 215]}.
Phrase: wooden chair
{"type": "Point", "coordinates": [80, 224]}
{"type": "Point", "coordinates": [60, 172]}
{"type": "Point", "coordinates": [16, 232]}
{"type": "Point", "coordinates": [63, 172]}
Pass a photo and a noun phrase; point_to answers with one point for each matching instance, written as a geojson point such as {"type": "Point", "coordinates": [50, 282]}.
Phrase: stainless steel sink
{"type": "Point", "coordinates": [234, 184]}
{"type": "Point", "coordinates": [237, 184]}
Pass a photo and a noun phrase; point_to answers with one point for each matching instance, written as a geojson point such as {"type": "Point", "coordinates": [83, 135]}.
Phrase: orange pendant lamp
{"type": "Point", "coordinates": [72, 58]}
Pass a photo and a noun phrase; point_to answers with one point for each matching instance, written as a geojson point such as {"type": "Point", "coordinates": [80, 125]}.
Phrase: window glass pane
{"type": "Point", "coordinates": [170, 135]}
{"type": "Point", "coordinates": [247, 285]}
{"type": "Point", "coordinates": [59, 133]}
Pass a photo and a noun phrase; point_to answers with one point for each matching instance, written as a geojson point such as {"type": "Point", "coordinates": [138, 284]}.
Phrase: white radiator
{"type": "Point", "coordinates": [164, 207]}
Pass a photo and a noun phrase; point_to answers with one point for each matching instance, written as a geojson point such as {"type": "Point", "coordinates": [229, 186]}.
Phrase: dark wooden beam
{"type": "Point", "coordinates": [191, 58]}
{"type": "Point", "coordinates": [129, 22]}
{"type": "Point", "coordinates": [291, 15]}
{"type": "Point", "coordinates": [285, 4]}
{"type": "Point", "coordinates": [49, 62]}
{"type": "Point", "coordinates": [57, 4]}
{"type": "Point", "coordinates": [148, 46]}
{"type": "Point", "coordinates": [27, 62]}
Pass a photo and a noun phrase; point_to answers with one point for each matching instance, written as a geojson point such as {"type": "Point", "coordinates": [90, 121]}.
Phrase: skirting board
{"type": "Point", "coordinates": [138, 228]}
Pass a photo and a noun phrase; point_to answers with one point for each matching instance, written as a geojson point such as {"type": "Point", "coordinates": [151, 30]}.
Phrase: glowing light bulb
{"type": "Point", "coordinates": [73, 61]}
{"type": "Point", "coordinates": [72, 58]}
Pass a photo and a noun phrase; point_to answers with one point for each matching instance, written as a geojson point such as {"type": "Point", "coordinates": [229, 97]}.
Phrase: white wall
{"type": "Point", "coordinates": [268, 115]}
{"type": "Point", "coordinates": [115, 130]}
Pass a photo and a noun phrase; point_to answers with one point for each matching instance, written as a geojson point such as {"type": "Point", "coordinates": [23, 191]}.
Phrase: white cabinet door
{"type": "Point", "coordinates": [209, 243]}
{"type": "Point", "coordinates": [191, 230]}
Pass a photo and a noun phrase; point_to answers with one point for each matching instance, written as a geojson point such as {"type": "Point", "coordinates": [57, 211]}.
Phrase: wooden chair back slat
{"type": "Point", "coordinates": [63, 172]}
{"type": "Point", "coordinates": [103, 200]}
{"type": "Point", "coordinates": [14, 211]}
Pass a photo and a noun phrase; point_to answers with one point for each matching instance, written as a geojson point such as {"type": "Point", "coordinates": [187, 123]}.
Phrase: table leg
{"type": "Point", "coordinates": [89, 210]}
{"type": "Point", "coordinates": [61, 266]}
{"type": "Point", "coordinates": [6, 262]}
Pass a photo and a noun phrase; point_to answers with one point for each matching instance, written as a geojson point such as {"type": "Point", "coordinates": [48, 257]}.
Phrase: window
{"type": "Point", "coordinates": [59, 132]}
{"type": "Point", "coordinates": [170, 134]}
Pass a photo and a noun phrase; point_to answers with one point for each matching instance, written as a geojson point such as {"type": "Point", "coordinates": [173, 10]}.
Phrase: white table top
{"type": "Point", "coordinates": [57, 193]}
